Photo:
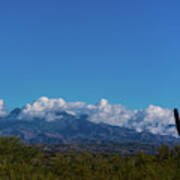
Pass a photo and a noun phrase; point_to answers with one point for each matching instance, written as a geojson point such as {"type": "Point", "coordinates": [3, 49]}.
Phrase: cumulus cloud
{"type": "Point", "coordinates": [46, 108]}
{"type": "Point", "coordinates": [3, 111]}
{"type": "Point", "coordinates": [104, 112]}
{"type": "Point", "coordinates": [154, 119]}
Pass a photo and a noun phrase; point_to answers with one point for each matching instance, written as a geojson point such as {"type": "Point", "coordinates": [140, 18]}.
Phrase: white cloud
{"type": "Point", "coordinates": [46, 108]}
{"type": "Point", "coordinates": [110, 114]}
{"type": "Point", "coordinates": [3, 111]}
{"type": "Point", "coordinates": [154, 119]}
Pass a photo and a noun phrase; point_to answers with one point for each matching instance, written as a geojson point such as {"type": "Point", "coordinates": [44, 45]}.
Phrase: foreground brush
{"type": "Point", "coordinates": [176, 115]}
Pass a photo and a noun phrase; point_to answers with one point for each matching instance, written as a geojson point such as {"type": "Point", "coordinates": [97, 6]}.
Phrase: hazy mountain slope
{"type": "Point", "coordinates": [71, 129]}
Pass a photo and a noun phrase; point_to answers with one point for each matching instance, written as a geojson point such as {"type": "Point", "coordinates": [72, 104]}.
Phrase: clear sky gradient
{"type": "Point", "coordinates": [124, 50]}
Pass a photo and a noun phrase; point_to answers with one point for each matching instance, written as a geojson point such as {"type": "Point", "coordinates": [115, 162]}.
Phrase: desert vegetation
{"type": "Point", "coordinates": [23, 161]}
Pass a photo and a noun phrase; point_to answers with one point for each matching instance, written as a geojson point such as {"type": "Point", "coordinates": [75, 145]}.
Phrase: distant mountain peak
{"type": "Point", "coordinates": [15, 113]}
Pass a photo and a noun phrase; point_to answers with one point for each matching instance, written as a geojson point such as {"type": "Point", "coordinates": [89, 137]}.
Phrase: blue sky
{"type": "Point", "coordinates": [125, 51]}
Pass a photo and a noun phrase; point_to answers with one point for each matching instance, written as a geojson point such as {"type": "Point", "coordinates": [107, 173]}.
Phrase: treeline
{"type": "Point", "coordinates": [19, 161]}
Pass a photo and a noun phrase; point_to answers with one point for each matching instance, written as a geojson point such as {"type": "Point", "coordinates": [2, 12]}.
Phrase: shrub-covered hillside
{"type": "Point", "coordinates": [20, 161]}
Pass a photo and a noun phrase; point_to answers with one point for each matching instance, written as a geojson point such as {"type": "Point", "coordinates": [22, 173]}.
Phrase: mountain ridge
{"type": "Point", "coordinates": [153, 119]}
{"type": "Point", "coordinates": [69, 129]}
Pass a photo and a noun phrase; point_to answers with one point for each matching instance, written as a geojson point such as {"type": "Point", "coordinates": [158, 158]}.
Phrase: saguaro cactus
{"type": "Point", "coordinates": [176, 115]}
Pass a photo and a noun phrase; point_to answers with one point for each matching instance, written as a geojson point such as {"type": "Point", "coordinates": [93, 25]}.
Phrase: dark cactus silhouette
{"type": "Point", "coordinates": [176, 115]}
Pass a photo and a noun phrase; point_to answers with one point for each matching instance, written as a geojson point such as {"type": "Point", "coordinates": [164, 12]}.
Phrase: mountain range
{"type": "Point", "coordinates": [68, 128]}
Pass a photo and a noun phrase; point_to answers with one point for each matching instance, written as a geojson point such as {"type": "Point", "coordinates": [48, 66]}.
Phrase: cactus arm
{"type": "Point", "coordinates": [176, 115]}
